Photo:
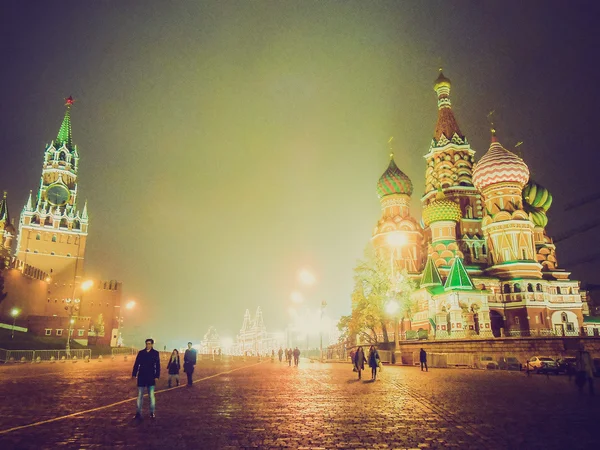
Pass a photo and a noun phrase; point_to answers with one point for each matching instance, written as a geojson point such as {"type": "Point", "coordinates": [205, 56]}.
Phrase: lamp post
{"type": "Point", "coordinates": [395, 240]}
{"type": "Point", "coordinates": [73, 304]}
{"type": "Point", "coordinates": [129, 306]}
{"type": "Point", "coordinates": [323, 305]}
{"type": "Point", "coordinates": [14, 313]}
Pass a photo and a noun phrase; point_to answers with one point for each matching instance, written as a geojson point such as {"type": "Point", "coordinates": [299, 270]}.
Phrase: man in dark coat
{"type": "Point", "coordinates": [147, 369]}
{"type": "Point", "coordinates": [359, 361]}
{"type": "Point", "coordinates": [189, 361]}
{"type": "Point", "coordinates": [423, 360]}
{"type": "Point", "coordinates": [296, 356]}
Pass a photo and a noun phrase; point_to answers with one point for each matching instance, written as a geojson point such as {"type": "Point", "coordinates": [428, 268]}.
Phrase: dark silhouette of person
{"type": "Point", "coordinates": [359, 361]}
{"type": "Point", "coordinates": [173, 367]}
{"type": "Point", "coordinates": [288, 355]}
{"type": "Point", "coordinates": [423, 360]}
{"type": "Point", "coordinates": [189, 361]}
{"type": "Point", "coordinates": [296, 356]}
{"type": "Point", "coordinates": [280, 354]}
{"type": "Point", "coordinates": [373, 362]}
{"type": "Point", "coordinates": [147, 370]}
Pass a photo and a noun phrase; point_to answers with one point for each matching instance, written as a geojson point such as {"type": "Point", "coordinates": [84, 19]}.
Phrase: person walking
{"type": "Point", "coordinates": [584, 371]}
{"type": "Point", "coordinates": [146, 369]}
{"type": "Point", "coordinates": [423, 360]}
{"type": "Point", "coordinates": [359, 361]}
{"type": "Point", "coordinates": [296, 356]}
{"type": "Point", "coordinates": [288, 354]}
{"type": "Point", "coordinates": [189, 361]}
{"type": "Point", "coordinates": [373, 362]}
{"type": "Point", "coordinates": [280, 354]}
{"type": "Point", "coordinates": [173, 367]}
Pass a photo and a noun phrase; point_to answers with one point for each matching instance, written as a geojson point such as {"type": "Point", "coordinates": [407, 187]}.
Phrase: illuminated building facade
{"type": "Point", "coordinates": [44, 279]}
{"type": "Point", "coordinates": [481, 255]}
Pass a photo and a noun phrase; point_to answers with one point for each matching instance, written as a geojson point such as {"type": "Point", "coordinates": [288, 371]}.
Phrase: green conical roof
{"type": "Point", "coordinates": [431, 275]}
{"type": "Point", "coordinates": [64, 134]}
{"type": "Point", "coordinates": [458, 278]}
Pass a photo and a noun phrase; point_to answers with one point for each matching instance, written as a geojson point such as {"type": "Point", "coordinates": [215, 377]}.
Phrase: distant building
{"type": "Point", "coordinates": [253, 338]}
{"type": "Point", "coordinates": [45, 279]}
{"type": "Point", "coordinates": [211, 341]}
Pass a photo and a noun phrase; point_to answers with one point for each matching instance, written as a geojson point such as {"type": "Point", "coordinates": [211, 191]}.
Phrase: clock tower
{"type": "Point", "coordinates": [52, 233]}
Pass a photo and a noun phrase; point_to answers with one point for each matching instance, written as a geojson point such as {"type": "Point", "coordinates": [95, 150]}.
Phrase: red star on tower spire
{"type": "Point", "coordinates": [69, 101]}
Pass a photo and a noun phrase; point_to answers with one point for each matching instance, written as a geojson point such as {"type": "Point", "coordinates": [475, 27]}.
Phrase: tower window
{"type": "Point", "coordinates": [563, 317]}
{"type": "Point", "coordinates": [517, 320]}
{"type": "Point", "coordinates": [538, 287]}
{"type": "Point", "coordinates": [54, 238]}
{"type": "Point", "coordinates": [38, 237]}
{"type": "Point", "coordinates": [52, 253]}
{"type": "Point", "coordinates": [529, 287]}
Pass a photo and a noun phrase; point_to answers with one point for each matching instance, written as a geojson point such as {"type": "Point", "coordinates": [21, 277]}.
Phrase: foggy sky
{"type": "Point", "coordinates": [226, 145]}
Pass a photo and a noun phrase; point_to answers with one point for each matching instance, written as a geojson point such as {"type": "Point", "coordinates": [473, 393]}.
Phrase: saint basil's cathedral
{"type": "Point", "coordinates": [484, 264]}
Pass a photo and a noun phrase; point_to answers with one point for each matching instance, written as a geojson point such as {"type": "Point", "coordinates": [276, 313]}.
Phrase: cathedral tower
{"type": "Point", "coordinates": [449, 167]}
{"type": "Point", "coordinates": [52, 234]}
{"type": "Point", "coordinates": [7, 232]}
{"type": "Point", "coordinates": [501, 175]}
{"type": "Point", "coordinates": [397, 233]}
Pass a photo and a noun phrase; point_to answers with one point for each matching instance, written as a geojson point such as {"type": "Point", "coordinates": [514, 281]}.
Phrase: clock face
{"type": "Point", "coordinates": [58, 195]}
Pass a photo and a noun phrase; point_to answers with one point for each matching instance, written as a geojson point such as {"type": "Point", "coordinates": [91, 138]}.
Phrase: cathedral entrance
{"type": "Point", "coordinates": [497, 323]}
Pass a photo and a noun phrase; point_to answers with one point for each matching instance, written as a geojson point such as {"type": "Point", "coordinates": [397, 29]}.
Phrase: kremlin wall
{"type": "Point", "coordinates": [45, 280]}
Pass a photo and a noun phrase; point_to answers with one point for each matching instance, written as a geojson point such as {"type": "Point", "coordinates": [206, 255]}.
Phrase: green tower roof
{"type": "Point", "coordinates": [64, 134]}
{"type": "Point", "coordinates": [394, 181]}
{"type": "Point", "coordinates": [458, 278]}
{"type": "Point", "coordinates": [431, 275]}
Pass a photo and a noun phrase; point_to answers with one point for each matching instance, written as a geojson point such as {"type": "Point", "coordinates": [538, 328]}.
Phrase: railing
{"type": "Point", "coordinates": [43, 355]}
{"type": "Point", "coordinates": [123, 351]}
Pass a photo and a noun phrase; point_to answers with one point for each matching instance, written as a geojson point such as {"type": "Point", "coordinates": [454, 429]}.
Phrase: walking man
{"type": "Point", "coordinates": [296, 356]}
{"type": "Point", "coordinates": [189, 361]}
{"type": "Point", "coordinates": [147, 370]}
{"type": "Point", "coordinates": [280, 354]}
{"type": "Point", "coordinates": [423, 360]}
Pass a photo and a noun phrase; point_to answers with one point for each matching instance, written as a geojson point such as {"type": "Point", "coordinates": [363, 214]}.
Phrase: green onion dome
{"type": "Point", "coordinates": [441, 209]}
{"type": "Point", "coordinates": [536, 201]}
{"type": "Point", "coordinates": [394, 181]}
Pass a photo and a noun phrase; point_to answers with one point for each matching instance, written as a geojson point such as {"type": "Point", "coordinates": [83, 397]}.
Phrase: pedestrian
{"type": "Point", "coordinates": [214, 353]}
{"type": "Point", "coordinates": [373, 362]}
{"type": "Point", "coordinates": [280, 354]}
{"type": "Point", "coordinates": [584, 371]}
{"type": "Point", "coordinates": [296, 356]}
{"type": "Point", "coordinates": [147, 370]}
{"type": "Point", "coordinates": [173, 367]}
{"type": "Point", "coordinates": [423, 360]}
{"type": "Point", "coordinates": [289, 356]}
{"type": "Point", "coordinates": [189, 361]}
{"type": "Point", "coordinates": [359, 361]}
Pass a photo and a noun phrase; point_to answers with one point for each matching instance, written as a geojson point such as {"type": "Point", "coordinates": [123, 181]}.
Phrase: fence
{"type": "Point", "coordinates": [123, 351]}
{"type": "Point", "coordinates": [43, 355]}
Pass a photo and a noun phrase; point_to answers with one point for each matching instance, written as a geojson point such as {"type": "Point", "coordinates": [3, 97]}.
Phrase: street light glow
{"type": "Point", "coordinates": [296, 297]}
{"type": "Point", "coordinates": [15, 312]}
{"type": "Point", "coordinates": [392, 307]}
{"type": "Point", "coordinates": [306, 277]}
{"type": "Point", "coordinates": [130, 304]}
{"type": "Point", "coordinates": [396, 239]}
{"type": "Point", "coordinates": [87, 285]}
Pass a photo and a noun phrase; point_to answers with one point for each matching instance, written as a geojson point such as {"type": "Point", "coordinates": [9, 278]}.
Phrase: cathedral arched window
{"type": "Point", "coordinates": [529, 287]}
{"type": "Point", "coordinates": [483, 250]}
{"type": "Point", "coordinates": [38, 237]}
{"type": "Point", "coordinates": [506, 289]}
{"type": "Point", "coordinates": [517, 287]}
{"type": "Point", "coordinates": [538, 287]}
{"type": "Point", "coordinates": [54, 238]}
{"type": "Point", "coordinates": [563, 317]}
{"type": "Point", "coordinates": [469, 212]}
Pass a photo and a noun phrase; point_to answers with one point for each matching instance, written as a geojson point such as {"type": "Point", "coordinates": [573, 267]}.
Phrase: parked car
{"type": "Point", "coordinates": [543, 364]}
{"type": "Point", "coordinates": [487, 362]}
{"type": "Point", "coordinates": [566, 365]}
{"type": "Point", "coordinates": [509, 363]}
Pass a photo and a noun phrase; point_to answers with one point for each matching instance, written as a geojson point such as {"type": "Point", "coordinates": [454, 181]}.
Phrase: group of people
{"type": "Point", "coordinates": [373, 360]}
{"type": "Point", "coordinates": [146, 369]}
{"type": "Point", "coordinates": [289, 355]}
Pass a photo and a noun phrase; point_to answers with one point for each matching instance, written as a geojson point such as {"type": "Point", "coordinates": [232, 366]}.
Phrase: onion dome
{"type": "Point", "coordinates": [441, 209]}
{"type": "Point", "coordinates": [537, 196]}
{"type": "Point", "coordinates": [441, 81]}
{"type": "Point", "coordinates": [536, 201]}
{"type": "Point", "coordinates": [394, 181]}
{"type": "Point", "coordinates": [499, 165]}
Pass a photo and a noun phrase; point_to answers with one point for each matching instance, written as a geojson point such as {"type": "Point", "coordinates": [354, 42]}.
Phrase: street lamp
{"type": "Point", "coordinates": [74, 305]}
{"type": "Point", "coordinates": [14, 313]}
{"type": "Point", "coordinates": [128, 306]}
{"type": "Point", "coordinates": [323, 305]}
{"type": "Point", "coordinates": [306, 277]}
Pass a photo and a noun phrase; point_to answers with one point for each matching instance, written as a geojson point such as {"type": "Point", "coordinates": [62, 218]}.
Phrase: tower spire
{"type": "Point", "coordinates": [4, 215]}
{"type": "Point", "coordinates": [64, 133]}
{"type": "Point", "coordinates": [446, 129]}
{"type": "Point", "coordinates": [84, 215]}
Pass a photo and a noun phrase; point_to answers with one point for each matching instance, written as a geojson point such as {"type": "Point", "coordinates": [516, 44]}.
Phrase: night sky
{"type": "Point", "coordinates": [226, 145]}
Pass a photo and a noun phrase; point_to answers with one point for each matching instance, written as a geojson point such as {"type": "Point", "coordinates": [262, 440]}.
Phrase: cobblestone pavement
{"type": "Point", "coordinates": [271, 405]}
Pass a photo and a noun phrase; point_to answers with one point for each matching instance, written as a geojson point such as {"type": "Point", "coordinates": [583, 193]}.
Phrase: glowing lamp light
{"type": "Point", "coordinates": [72, 321]}
{"type": "Point", "coordinates": [296, 297]}
{"type": "Point", "coordinates": [396, 239]}
{"type": "Point", "coordinates": [306, 277]}
{"type": "Point", "coordinates": [87, 285]}
{"type": "Point", "coordinates": [130, 304]}
{"type": "Point", "coordinates": [392, 307]}
{"type": "Point", "coordinates": [15, 312]}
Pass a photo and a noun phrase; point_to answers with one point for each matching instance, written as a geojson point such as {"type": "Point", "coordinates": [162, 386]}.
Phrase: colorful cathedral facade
{"type": "Point", "coordinates": [484, 263]}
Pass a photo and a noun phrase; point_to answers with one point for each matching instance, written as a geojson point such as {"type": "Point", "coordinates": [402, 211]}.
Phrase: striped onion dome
{"type": "Point", "coordinates": [440, 209]}
{"type": "Point", "coordinates": [394, 181]}
{"type": "Point", "coordinates": [499, 165]}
